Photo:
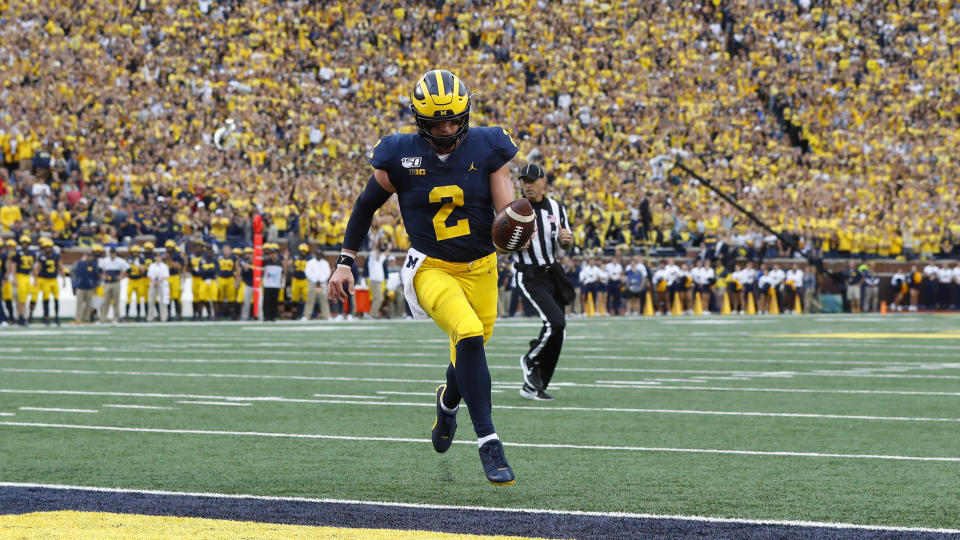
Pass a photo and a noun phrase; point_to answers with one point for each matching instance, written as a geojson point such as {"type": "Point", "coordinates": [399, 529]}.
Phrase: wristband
{"type": "Point", "coordinates": [345, 261]}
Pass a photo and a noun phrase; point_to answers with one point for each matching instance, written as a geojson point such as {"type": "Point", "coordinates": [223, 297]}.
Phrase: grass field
{"type": "Point", "coordinates": [814, 418]}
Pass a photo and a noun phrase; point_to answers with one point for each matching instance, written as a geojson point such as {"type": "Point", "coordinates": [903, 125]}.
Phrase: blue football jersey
{"type": "Point", "coordinates": [446, 206]}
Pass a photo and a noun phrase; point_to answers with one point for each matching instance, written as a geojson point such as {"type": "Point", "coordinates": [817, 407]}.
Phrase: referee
{"type": "Point", "coordinates": [543, 282]}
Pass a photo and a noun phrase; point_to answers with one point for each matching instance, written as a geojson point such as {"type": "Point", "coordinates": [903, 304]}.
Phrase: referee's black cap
{"type": "Point", "coordinates": [531, 173]}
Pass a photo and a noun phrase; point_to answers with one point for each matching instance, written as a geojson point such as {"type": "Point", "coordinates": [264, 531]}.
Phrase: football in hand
{"type": "Point", "coordinates": [513, 225]}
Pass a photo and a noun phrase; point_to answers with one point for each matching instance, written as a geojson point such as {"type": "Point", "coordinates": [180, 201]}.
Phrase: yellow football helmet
{"type": "Point", "coordinates": [46, 242]}
{"type": "Point", "coordinates": [303, 248]}
{"type": "Point", "coordinates": [135, 249]}
{"type": "Point", "coordinates": [97, 248]}
{"type": "Point", "coordinates": [169, 244]}
{"type": "Point", "coordinates": [25, 239]}
{"type": "Point", "coordinates": [247, 250]}
{"type": "Point", "coordinates": [10, 242]}
{"type": "Point", "coordinates": [148, 246]}
{"type": "Point", "coordinates": [440, 96]}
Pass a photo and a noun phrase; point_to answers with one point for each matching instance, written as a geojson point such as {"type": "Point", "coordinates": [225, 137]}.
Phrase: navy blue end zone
{"type": "Point", "coordinates": [20, 500]}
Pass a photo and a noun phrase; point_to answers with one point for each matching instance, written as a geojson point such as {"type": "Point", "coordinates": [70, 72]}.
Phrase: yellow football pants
{"type": "Point", "coordinates": [175, 287]}
{"type": "Point", "coordinates": [461, 298]}
{"type": "Point", "coordinates": [298, 290]}
{"type": "Point", "coordinates": [138, 286]}
{"type": "Point", "coordinates": [48, 288]}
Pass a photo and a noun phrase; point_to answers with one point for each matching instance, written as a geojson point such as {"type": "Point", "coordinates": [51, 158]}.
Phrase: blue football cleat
{"type": "Point", "coordinates": [445, 425]}
{"type": "Point", "coordinates": [495, 465]}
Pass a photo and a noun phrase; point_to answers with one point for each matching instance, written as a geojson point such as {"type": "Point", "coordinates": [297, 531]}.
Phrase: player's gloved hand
{"type": "Point", "coordinates": [340, 286]}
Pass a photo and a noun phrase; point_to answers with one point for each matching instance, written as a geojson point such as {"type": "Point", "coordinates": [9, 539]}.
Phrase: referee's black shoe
{"type": "Point", "coordinates": [535, 394]}
{"type": "Point", "coordinates": [531, 373]}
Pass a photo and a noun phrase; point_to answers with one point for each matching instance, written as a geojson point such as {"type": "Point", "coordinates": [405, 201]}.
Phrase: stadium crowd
{"type": "Point", "coordinates": [834, 123]}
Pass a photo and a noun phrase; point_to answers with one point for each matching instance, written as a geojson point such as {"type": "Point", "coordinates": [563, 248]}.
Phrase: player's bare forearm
{"type": "Point", "coordinates": [501, 189]}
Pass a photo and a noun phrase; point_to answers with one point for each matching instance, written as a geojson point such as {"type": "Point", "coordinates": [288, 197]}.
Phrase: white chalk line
{"type": "Point", "coordinates": [55, 409]}
{"type": "Point", "coordinates": [704, 373]}
{"type": "Point", "coordinates": [361, 400]}
{"type": "Point", "coordinates": [443, 357]}
{"type": "Point", "coordinates": [628, 515]}
{"type": "Point", "coordinates": [223, 403]}
{"type": "Point", "coordinates": [149, 407]}
{"type": "Point", "coordinates": [556, 446]}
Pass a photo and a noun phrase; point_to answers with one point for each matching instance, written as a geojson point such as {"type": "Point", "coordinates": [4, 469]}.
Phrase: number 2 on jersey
{"type": "Point", "coordinates": [444, 231]}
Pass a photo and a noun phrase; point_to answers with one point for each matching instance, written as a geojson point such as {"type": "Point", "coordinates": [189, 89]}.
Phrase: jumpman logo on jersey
{"type": "Point", "coordinates": [472, 167]}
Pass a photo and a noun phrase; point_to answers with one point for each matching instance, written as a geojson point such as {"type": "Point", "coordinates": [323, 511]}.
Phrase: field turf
{"type": "Point", "coordinates": [826, 419]}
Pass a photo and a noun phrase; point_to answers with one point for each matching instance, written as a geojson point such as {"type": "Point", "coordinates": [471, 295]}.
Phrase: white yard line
{"type": "Point", "coordinates": [231, 400]}
{"type": "Point", "coordinates": [471, 442]}
{"type": "Point", "coordinates": [54, 409]}
{"type": "Point", "coordinates": [225, 403]}
{"type": "Point", "coordinates": [347, 396]}
{"type": "Point", "coordinates": [704, 373]}
{"type": "Point", "coordinates": [701, 519]}
{"type": "Point", "coordinates": [151, 407]}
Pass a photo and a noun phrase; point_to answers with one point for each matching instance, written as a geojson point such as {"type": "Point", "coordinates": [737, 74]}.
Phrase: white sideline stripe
{"type": "Point", "coordinates": [645, 386]}
{"type": "Point", "coordinates": [775, 374]}
{"type": "Point", "coordinates": [879, 364]}
{"type": "Point", "coordinates": [273, 361]}
{"type": "Point", "coordinates": [629, 515]}
{"type": "Point", "coordinates": [346, 396]}
{"type": "Point", "coordinates": [519, 445]}
{"type": "Point", "coordinates": [511, 407]}
{"type": "Point", "coordinates": [227, 403]}
{"type": "Point", "coordinates": [119, 406]}
{"type": "Point", "coordinates": [54, 409]}
{"type": "Point", "coordinates": [7, 414]}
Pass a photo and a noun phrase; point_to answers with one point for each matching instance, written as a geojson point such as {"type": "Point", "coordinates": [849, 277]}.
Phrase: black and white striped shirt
{"type": "Point", "coordinates": [544, 248]}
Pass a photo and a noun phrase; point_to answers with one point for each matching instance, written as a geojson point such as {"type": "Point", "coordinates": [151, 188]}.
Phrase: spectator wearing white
{"type": "Point", "coordinates": [376, 276]}
{"type": "Point", "coordinates": [614, 280]}
{"type": "Point", "coordinates": [764, 286]}
{"type": "Point", "coordinates": [158, 294]}
{"type": "Point", "coordinates": [777, 277]}
{"type": "Point", "coordinates": [589, 277]}
{"type": "Point", "coordinates": [928, 295]}
{"type": "Point", "coordinates": [41, 194]}
{"type": "Point", "coordinates": [945, 287]}
{"type": "Point", "coordinates": [793, 286]}
{"type": "Point", "coordinates": [318, 273]}
{"type": "Point", "coordinates": [703, 277]}
{"type": "Point", "coordinates": [601, 296]}
{"type": "Point", "coordinates": [112, 270]}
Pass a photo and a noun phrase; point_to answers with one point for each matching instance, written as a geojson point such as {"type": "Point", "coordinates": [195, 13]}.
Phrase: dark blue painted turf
{"type": "Point", "coordinates": [19, 500]}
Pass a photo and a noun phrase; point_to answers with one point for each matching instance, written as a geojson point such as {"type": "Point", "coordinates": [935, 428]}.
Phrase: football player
{"type": "Point", "coordinates": [46, 271]}
{"type": "Point", "coordinates": [449, 180]}
{"type": "Point", "coordinates": [227, 277]}
{"type": "Point", "coordinates": [175, 262]}
{"type": "Point", "coordinates": [136, 281]}
{"type": "Point", "coordinates": [208, 283]}
{"type": "Point", "coordinates": [196, 282]}
{"type": "Point", "coordinates": [6, 291]}
{"type": "Point", "coordinates": [21, 266]}
{"type": "Point", "coordinates": [299, 286]}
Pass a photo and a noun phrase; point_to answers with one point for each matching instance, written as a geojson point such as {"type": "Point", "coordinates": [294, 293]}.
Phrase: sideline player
{"type": "Point", "coordinates": [449, 179]}
{"type": "Point", "coordinates": [47, 271]}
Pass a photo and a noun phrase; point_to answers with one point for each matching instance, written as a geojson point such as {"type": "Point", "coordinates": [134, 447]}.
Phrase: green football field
{"type": "Point", "coordinates": [815, 418]}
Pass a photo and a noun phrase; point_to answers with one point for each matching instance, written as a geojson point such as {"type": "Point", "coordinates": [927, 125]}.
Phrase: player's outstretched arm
{"type": "Point", "coordinates": [501, 188]}
{"type": "Point", "coordinates": [378, 190]}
